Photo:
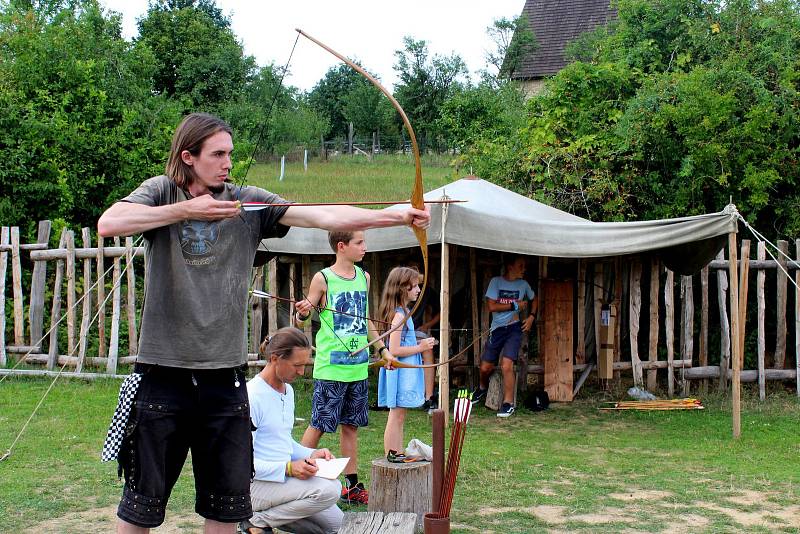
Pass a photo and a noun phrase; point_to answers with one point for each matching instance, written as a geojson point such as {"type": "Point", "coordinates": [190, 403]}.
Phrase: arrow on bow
{"type": "Point", "coordinates": [417, 192]}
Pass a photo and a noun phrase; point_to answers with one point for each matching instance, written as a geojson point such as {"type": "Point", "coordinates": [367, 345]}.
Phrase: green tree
{"type": "Point", "coordinates": [425, 84]}
{"type": "Point", "coordinates": [198, 57]}
{"type": "Point", "coordinates": [674, 108]}
{"type": "Point", "coordinates": [514, 41]}
{"type": "Point", "coordinates": [80, 126]}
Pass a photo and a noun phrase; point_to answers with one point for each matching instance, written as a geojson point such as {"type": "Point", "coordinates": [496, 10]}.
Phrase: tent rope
{"type": "Point", "coordinates": [760, 238]}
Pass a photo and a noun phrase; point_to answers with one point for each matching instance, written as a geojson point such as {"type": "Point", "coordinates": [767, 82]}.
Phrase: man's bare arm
{"type": "Point", "coordinates": [128, 218]}
{"type": "Point", "coordinates": [344, 218]}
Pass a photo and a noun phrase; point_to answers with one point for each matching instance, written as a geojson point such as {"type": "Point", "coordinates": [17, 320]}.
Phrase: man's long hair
{"type": "Point", "coordinates": [190, 135]}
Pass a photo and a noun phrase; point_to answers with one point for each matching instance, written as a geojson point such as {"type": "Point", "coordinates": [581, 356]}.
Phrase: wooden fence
{"type": "Point", "coordinates": [103, 280]}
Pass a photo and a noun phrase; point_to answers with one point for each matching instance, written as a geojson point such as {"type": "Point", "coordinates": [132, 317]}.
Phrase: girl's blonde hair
{"type": "Point", "coordinates": [400, 280]}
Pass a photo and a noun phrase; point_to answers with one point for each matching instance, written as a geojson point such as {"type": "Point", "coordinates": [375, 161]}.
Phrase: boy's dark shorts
{"type": "Point", "coordinates": [503, 341]}
{"type": "Point", "coordinates": [339, 403]}
{"type": "Point", "coordinates": [178, 410]}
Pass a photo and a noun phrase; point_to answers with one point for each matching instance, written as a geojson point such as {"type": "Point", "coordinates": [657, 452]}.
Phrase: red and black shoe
{"type": "Point", "coordinates": [356, 494]}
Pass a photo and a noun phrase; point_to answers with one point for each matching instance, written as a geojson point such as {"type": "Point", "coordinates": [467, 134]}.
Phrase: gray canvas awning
{"type": "Point", "coordinates": [494, 218]}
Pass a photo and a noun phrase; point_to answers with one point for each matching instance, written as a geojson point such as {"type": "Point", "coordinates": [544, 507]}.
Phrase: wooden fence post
{"type": "Point", "coordinates": [101, 298]}
{"type": "Point", "coordinates": [744, 272]}
{"type": "Point", "coordinates": [780, 333]}
{"type": "Point", "coordinates": [669, 329]}
{"type": "Point", "coordinates": [797, 320]}
{"type": "Point", "coordinates": [761, 254]}
{"type": "Point", "coordinates": [633, 319]}
{"type": "Point", "coordinates": [703, 349]}
{"type": "Point", "coordinates": [55, 311]}
{"type": "Point", "coordinates": [4, 239]}
{"type": "Point", "coordinates": [16, 280]}
{"type": "Point", "coordinates": [113, 346]}
{"type": "Point", "coordinates": [38, 280]}
{"type": "Point", "coordinates": [257, 307]}
{"type": "Point", "coordinates": [306, 276]}
{"type": "Point", "coordinates": [725, 334]}
{"type": "Point", "coordinates": [735, 352]}
{"type": "Point", "coordinates": [70, 274]}
{"type": "Point", "coordinates": [87, 302]}
{"type": "Point", "coordinates": [655, 273]}
{"type": "Point", "coordinates": [473, 293]}
{"type": "Point", "coordinates": [272, 304]}
{"type": "Point", "coordinates": [687, 326]}
{"type": "Point", "coordinates": [133, 345]}
{"type": "Point", "coordinates": [580, 345]}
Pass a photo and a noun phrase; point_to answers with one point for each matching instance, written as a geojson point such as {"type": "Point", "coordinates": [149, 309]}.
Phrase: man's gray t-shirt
{"type": "Point", "coordinates": [198, 277]}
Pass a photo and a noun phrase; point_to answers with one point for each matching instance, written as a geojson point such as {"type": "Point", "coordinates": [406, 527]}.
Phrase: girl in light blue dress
{"type": "Point", "coordinates": [401, 388]}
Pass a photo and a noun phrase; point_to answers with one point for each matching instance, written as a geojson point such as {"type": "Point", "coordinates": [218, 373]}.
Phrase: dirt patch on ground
{"type": "Point", "coordinates": [768, 516]}
{"type": "Point", "coordinates": [103, 520]}
{"type": "Point", "coordinates": [749, 498]}
{"type": "Point", "coordinates": [634, 494]}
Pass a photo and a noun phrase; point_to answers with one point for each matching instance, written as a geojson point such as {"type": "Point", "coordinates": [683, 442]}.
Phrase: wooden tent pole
{"type": "Point", "coordinates": [735, 346]}
{"type": "Point", "coordinates": [444, 323]}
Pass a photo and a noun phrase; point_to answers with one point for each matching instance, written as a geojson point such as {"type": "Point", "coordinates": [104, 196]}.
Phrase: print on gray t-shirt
{"type": "Point", "coordinates": [195, 307]}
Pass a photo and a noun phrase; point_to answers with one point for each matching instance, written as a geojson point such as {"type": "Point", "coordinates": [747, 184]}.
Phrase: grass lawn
{"type": "Point", "coordinates": [351, 178]}
{"type": "Point", "coordinates": [572, 468]}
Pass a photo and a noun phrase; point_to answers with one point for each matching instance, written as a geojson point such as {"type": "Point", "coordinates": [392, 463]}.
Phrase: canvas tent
{"type": "Point", "coordinates": [494, 218]}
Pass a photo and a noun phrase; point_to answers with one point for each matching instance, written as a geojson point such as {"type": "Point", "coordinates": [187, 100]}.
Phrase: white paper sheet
{"type": "Point", "coordinates": [331, 468]}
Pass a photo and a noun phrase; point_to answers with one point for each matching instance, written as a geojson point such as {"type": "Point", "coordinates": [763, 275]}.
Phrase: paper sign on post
{"type": "Point", "coordinates": [330, 468]}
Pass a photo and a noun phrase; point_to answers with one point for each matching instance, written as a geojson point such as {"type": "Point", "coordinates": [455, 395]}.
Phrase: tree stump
{"type": "Point", "coordinates": [401, 488]}
{"type": "Point", "coordinates": [494, 393]}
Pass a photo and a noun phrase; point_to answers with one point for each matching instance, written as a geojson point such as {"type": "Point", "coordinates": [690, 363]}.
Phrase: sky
{"type": "Point", "coordinates": [368, 31]}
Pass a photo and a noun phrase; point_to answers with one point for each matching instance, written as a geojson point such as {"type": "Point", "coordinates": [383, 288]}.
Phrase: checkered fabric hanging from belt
{"type": "Point", "coordinates": [116, 431]}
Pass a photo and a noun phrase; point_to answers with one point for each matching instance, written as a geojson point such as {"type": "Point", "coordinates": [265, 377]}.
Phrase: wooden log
{"type": "Point", "coordinates": [537, 369]}
{"type": "Point", "coordinates": [744, 271]}
{"type": "Point", "coordinates": [669, 329]}
{"type": "Point", "coordinates": [113, 346]}
{"type": "Point", "coordinates": [4, 240]}
{"type": "Point", "coordinates": [61, 253]}
{"type": "Point", "coordinates": [725, 332]}
{"type": "Point", "coordinates": [38, 281]}
{"type": "Point", "coordinates": [761, 253]}
{"type": "Point", "coordinates": [702, 354]}
{"type": "Point", "coordinates": [797, 320]}
{"type": "Point", "coordinates": [69, 273]}
{"type": "Point", "coordinates": [23, 246]}
{"type": "Point", "coordinates": [55, 310]}
{"type": "Point", "coordinates": [652, 356]}
{"type": "Point", "coordinates": [272, 304]}
{"type": "Point", "coordinates": [83, 335]}
{"type": "Point", "coordinates": [375, 285]}
{"type": "Point", "coordinates": [780, 317]}
{"type": "Point", "coordinates": [634, 313]}
{"type": "Point", "coordinates": [401, 488]}
{"type": "Point", "coordinates": [16, 281]}
{"type": "Point", "coordinates": [101, 297]}
{"type": "Point", "coordinates": [444, 325]}
{"type": "Point", "coordinates": [53, 374]}
{"type": "Point", "coordinates": [72, 361]}
{"type": "Point", "coordinates": [712, 371]}
{"type": "Point", "coordinates": [735, 352]}
{"type": "Point", "coordinates": [306, 275]}
{"type": "Point", "coordinates": [23, 349]}
{"type": "Point", "coordinates": [580, 349]}
{"type": "Point", "coordinates": [755, 264]}
{"type": "Point", "coordinates": [474, 306]}
{"type": "Point", "coordinates": [687, 324]}
{"type": "Point", "coordinates": [257, 310]}
{"type": "Point", "coordinates": [379, 523]}
{"type": "Point", "coordinates": [130, 301]}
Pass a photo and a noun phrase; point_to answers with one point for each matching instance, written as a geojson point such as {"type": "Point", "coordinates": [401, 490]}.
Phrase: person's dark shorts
{"type": "Point", "coordinates": [177, 410]}
{"type": "Point", "coordinates": [339, 403]}
{"type": "Point", "coordinates": [503, 341]}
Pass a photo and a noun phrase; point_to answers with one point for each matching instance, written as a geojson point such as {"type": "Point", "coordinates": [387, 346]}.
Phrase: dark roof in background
{"type": "Point", "coordinates": [556, 23]}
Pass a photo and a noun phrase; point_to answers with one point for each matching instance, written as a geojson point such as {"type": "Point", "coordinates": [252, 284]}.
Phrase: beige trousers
{"type": "Point", "coordinates": [301, 506]}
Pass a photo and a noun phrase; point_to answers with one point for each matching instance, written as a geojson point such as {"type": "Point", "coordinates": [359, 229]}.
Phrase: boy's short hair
{"type": "Point", "coordinates": [334, 238]}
